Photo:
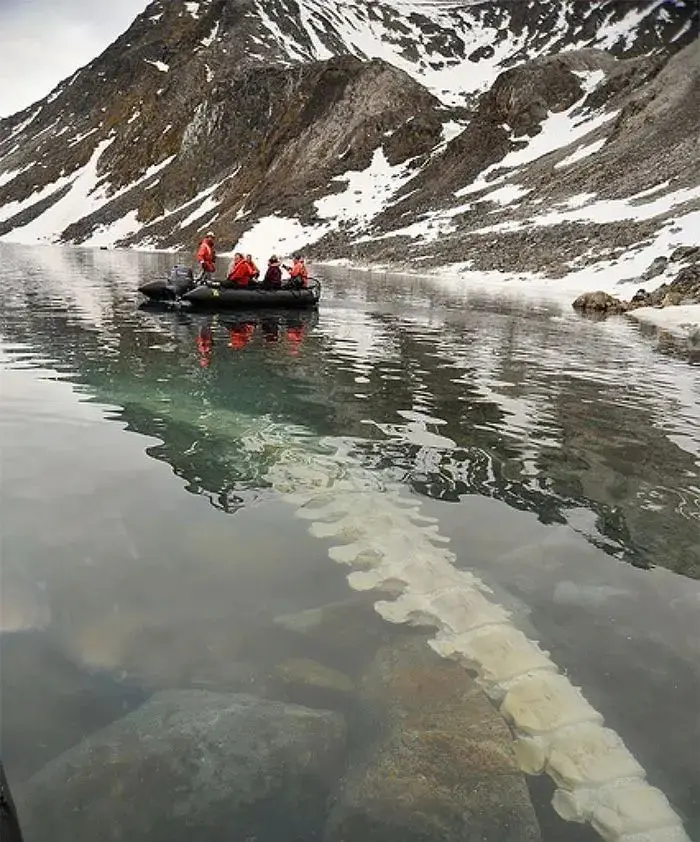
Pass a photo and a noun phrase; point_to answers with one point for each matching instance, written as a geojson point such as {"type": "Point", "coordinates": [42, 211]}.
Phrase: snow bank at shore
{"type": "Point", "coordinates": [682, 320]}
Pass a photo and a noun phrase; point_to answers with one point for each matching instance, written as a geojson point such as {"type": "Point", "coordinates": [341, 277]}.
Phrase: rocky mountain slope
{"type": "Point", "coordinates": [520, 136]}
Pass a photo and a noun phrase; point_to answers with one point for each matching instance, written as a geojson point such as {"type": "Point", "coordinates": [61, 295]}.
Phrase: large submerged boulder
{"type": "Point", "coordinates": [443, 767]}
{"type": "Point", "coordinates": [190, 764]}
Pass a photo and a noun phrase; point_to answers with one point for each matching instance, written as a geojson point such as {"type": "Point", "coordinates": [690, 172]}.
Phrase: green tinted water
{"type": "Point", "coordinates": [560, 457]}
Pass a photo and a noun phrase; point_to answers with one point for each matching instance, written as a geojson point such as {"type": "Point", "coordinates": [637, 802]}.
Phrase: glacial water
{"type": "Point", "coordinates": [521, 484]}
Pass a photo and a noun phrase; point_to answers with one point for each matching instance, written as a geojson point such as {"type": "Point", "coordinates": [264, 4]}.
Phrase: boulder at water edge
{"type": "Point", "coordinates": [599, 302]}
{"type": "Point", "coordinates": [442, 769]}
{"type": "Point", "coordinates": [191, 765]}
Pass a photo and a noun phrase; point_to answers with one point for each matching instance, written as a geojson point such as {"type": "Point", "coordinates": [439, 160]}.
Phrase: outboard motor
{"type": "Point", "coordinates": [180, 281]}
{"type": "Point", "coordinates": [171, 288]}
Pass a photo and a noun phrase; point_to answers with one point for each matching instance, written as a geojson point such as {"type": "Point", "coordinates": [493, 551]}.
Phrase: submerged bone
{"type": "Point", "coordinates": [531, 754]}
{"type": "Point", "coordinates": [457, 610]}
{"type": "Point", "coordinates": [501, 653]}
{"type": "Point", "coordinates": [425, 575]}
{"type": "Point", "coordinates": [631, 809]}
{"type": "Point", "coordinates": [559, 732]}
{"type": "Point", "coordinates": [588, 756]}
{"type": "Point", "coordinates": [545, 702]}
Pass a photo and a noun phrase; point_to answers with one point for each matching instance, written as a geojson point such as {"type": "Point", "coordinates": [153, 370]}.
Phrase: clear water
{"type": "Point", "coordinates": [143, 546]}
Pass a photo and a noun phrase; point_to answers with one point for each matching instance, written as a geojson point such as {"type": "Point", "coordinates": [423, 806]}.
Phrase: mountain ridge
{"type": "Point", "coordinates": [281, 123]}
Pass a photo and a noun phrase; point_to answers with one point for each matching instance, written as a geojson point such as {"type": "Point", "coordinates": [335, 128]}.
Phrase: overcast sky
{"type": "Point", "coordinates": [44, 41]}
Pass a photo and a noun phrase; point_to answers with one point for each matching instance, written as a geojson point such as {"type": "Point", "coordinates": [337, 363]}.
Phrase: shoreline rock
{"type": "Point", "coordinates": [684, 289]}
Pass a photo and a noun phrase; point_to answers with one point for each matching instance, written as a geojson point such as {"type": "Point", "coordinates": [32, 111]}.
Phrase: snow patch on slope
{"type": "Point", "coordinates": [558, 131]}
{"type": "Point", "coordinates": [11, 175]}
{"type": "Point", "coordinates": [602, 211]}
{"type": "Point", "coordinates": [279, 235]}
{"type": "Point", "coordinates": [581, 152]}
{"type": "Point", "coordinates": [208, 205]}
{"type": "Point", "coordinates": [74, 205]}
{"type": "Point", "coordinates": [619, 277]}
{"type": "Point", "coordinates": [159, 65]}
{"type": "Point", "coordinates": [108, 235]}
{"type": "Point", "coordinates": [367, 192]}
{"type": "Point", "coordinates": [209, 40]}
{"type": "Point", "coordinates": [87, 194]}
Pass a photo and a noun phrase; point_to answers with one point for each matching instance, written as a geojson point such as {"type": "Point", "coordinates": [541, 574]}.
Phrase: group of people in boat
{"type": "Point", "coordinates": [243, 271]}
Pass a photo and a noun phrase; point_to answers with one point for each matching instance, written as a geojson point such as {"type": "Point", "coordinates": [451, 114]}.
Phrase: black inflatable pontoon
{"type": "Point", "coordinates": [181, 288]}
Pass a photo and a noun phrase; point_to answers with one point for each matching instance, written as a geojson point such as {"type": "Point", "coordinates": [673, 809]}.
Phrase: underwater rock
{"type": "Point", "coordinates": [309, 682]}
{"type": "Point", "coordinates": [339, 625]}
{"type": "Point", "coordinates": [443, 767]}
{"type": "Point", "coordinates": [586, 596]}
{"type": "Point", "coordinates": [188, 765]}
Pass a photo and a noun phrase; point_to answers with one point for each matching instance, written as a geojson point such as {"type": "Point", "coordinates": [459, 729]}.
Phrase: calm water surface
{"type": "Point", "coordinates": [144, 548]}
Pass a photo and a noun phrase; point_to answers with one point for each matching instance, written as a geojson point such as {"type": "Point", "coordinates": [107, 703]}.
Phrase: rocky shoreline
{"type": "Point", "coordinates": [680, 295]}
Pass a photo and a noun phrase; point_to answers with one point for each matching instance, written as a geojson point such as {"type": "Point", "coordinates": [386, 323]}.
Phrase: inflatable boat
{"type": "Point", "coordinates": [181, 289]}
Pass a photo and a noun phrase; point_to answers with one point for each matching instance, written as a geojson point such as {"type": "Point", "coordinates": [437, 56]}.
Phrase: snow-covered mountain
{"type": "Point", "coordinates": [510, 134]}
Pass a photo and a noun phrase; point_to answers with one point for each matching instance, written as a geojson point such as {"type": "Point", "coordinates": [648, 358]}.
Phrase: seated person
{"type": "Point", "coordinates": [239, 273]}
{"type": "Point", "coordinates": [273, 274]}
{"type": "Point", "coordinates": [299, 274]}
{"type": "Point", "coordinates": [254, 269]}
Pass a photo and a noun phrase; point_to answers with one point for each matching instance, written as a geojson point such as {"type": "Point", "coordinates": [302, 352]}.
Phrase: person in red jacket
{"type": "Point", "coordinates": [299, 274]}
{"type": "Point", "coordinates": [206, 257]}
{"type": "Point", "coordinates": [254, 269]}
{"type": "Point", "coordinates": [239, 273]}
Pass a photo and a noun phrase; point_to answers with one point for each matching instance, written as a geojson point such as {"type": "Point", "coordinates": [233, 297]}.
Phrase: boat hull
{"type": "Point", "coordinates": [207, 297]}
{"type": "Point", "coordinates": [226, 298]}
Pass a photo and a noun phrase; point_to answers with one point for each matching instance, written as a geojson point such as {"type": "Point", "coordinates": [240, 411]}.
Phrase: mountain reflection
{"type": "Point", "coordinates": [454, 397]}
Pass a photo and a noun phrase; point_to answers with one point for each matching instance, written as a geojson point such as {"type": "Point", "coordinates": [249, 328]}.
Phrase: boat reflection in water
{"type": "Point", "coordinates": [288, 330]}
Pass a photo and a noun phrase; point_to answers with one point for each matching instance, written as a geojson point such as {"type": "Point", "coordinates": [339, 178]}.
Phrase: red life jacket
{"type": "Point", "coordinates": [207, 256]}
{"type": "Point", "coordinates": [299, 272]}
{"type": "Point", "coordinates": [241, 273]}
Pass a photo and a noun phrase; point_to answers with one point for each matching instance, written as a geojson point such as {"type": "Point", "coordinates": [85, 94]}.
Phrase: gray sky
{"type": "Point", "coordinates": [44, 41]}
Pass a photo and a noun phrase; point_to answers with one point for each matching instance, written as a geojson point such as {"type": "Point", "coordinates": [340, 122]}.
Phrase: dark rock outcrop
{"type": "Point", "coordinates": [683, 289]}
{"type": "Point", "coordinates": [516, 105]}
{"type": "Point", "coordinates": [683, 253]}
{"type": "Point", "coordinates": [658, 267]}
{"type": "Point", "coordinates": [191, 765]}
